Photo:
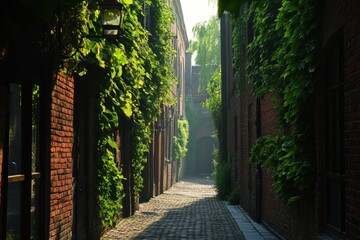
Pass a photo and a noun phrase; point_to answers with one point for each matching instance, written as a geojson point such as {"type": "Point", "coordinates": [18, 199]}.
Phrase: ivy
{"type": "Point", "coordinates": [283, 159]}
{"type": "Point", "coordinates": [136, 74]}
{"type": "Point", "coordinates": [191, 116]}
{"type": "Point", "coordinates": [141, 138]}
{"type": "Point", "coordinates": [181, 139]}
{"type": "Point", "coordinates": [282, 60]}
{"type": "Point", "coordinates": [213, 103]}
{"type": "Point", "coordinates": [239, 49]}
{"type": "Point", "coordinates": [232, 6]}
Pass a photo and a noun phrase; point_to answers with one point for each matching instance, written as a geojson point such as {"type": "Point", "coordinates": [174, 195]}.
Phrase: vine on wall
{"type": "Point", "coordinates": [137, 74]}
{"type": "Point", "coordinates": [134, 71]}
{"type": "Point", "coordinates": [181, 139]}
{"type": "Point", "coordinates": [239, 49]}
{"type": "Point", "coordinates": [281, 59]}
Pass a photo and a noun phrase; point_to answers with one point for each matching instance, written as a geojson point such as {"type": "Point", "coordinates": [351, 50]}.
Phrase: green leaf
{"type": "Point", "coordinates": [127, 2]}
{"type": "Point", "coordinates": [112, 143]}
{"type": "Point", "coordinates": [127, 109]}
{"type": "Point", "coordinates": [82, 73]}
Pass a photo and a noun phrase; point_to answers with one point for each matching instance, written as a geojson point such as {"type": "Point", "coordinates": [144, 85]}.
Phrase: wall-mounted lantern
{"type": "Point", "coordinates": [163, 122]}
{"type": "Point", "coordinates": [111, 17]}
{"type": "Point", "coordinates": [111, 12]}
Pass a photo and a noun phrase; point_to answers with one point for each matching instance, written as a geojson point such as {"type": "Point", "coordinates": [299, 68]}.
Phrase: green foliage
{"type": "Point", "coordinates": [135, 71]}
{"type": "Point", "coordinates": [263, 68]}
{"type": "Point", "coordinates": [282, 54]}
{"type": "Point", "coordinates": [239, 49]}
{"type": "Point", "coordinates": [181, 140]}
{"type": "Point", "coordinates": [282, 60]}
{"type": "Point", "coordinates": [232, 6]}
{"type": "Point", "coordinates": [234, 197]}
{"type": "Point", "coordinates": [222, 177]}
{"type": "Point", "coordinates": [213, 103]}
{"type": "Point", "coordinates": [192, 118]}
{"type": "Point", "coordinates": [141, 138]}
{"type": "Point", "coordinates": [136, 78]}
{"type": "Point", "coordinates": [283, 159]}
{"type": "Point", "coordinates": [207, 48]}
{"type": "Point", "coordinates": [156, 57]}
{"type": "Point", "coordinates": [10, 235]}
{"type": "Point", "coordinates": [109, 183]}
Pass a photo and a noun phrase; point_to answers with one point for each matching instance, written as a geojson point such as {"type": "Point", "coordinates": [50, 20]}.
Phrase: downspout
{"type": "Point", "coordinates": [223, 126]}
{"type": "Point", "coordinates": [259, 177]}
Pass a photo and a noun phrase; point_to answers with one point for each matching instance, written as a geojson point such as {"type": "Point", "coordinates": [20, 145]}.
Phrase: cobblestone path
{"type": "Point", "coordinates": [189, 210]}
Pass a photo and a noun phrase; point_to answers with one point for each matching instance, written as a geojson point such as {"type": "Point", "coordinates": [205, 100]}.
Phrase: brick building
{"type": "Point", "coordinates": [48, 137]}
{"type": "Point", "coordinates": [333, 210]}
{"type": "Point", "coordinates": [202, 143]}
{"type": "Point", "coordinates": [161, 170]}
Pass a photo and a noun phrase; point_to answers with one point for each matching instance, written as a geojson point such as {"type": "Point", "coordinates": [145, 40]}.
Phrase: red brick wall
{"type": "Point", "coordinates": [308, 217]}
{"type": "Point", "coordinates": [273, 213]}
{"type": "Point", "coordinates": [233, 151]}
{"type": "Point", "coordinates": [342, 20]}
{"type": "Point", "coordinates": [61, 158]}
{"type": "Point", "coordinates": [290, 223]}
{"type": "Point", "coordinates": [243, 173]}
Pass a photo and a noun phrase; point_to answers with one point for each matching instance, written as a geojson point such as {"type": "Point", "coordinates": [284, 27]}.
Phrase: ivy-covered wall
{"type": "Point", "coordinates": [270, 131]}
{"type": "Point", "coordinates": [294, 51]}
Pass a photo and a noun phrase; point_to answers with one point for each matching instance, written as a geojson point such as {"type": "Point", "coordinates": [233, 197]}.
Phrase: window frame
{"type": "Point", "coordinates": [27, 174]}
{"type": "Point", "coordinates": [335, 93]}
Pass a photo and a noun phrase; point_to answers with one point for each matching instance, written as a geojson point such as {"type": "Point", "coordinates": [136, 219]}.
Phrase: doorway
{"type": "Point", "coordinates": [205, 147]}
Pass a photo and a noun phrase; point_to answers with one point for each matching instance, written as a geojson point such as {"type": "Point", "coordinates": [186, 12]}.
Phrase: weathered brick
{"type": "Point", "coordinates": [61, 158]}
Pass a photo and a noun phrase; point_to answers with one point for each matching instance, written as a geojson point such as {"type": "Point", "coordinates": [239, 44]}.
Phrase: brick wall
{"type": "Point", "coordinates": [352, 118]}
{"type": "Point", "coordinates": [61, 158]}
{"type": "Point", "coordinates": [308, 217]}
{"type": "Point", "coordinates": [247, 132]}
{"type": "Point", "coordinates": [297, 221]}
{"type": "Point", "coordinates": [2, 128]}
{"type": "Point", "coordinates": [341, 19]}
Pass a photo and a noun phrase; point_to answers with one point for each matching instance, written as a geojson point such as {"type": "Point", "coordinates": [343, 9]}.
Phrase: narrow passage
{"type": "Point", "coordinates": [189, 210]}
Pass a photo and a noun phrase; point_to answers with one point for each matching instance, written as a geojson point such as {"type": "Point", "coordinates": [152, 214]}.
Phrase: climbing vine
{"type": "Point", "coordinates": [136, 72]}
{"type": "Point", "coordinates": [132, 73]}
{"type": "Point", "coordinates": [239, 49]}
{"type": "Point", "coordinates": [181, 139]}
{"type": "Point", "coordinates": [286, 162]}
{"type": "Point", "coordinates": [213, 103]}
{"type": "Point", "coordinates": [191, 116]}
{"type": "Point", "coordinates": [281, 60]}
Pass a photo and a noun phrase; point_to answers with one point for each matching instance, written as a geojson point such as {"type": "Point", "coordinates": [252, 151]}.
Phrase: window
{"type": "Point", "coordinates": [335, 179]}
{"type": "Point", "coordinates": [21, 164]}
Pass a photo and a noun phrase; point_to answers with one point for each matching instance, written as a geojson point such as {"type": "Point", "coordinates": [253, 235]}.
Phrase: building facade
{"type": "Point", "coordinates": [202, 143]}
{"type": "Point", "coordinates": [332, 211]}
{"type": "Point", "coordinates": [49, 136]}
{"type": "Point", "coordinates": [162, 170]}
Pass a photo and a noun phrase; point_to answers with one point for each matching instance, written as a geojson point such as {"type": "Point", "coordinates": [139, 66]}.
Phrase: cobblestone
{"type": "Point", "coordinates": [189, 210]}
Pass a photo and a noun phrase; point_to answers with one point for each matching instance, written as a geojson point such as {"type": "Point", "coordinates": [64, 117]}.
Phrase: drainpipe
{"type": "Point", "coordinates": [259, 177]}
{"type": "Point", "coordinates": [224, 28]}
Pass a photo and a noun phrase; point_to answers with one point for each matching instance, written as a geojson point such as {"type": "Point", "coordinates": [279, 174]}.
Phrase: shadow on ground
{"type": "Point", "coordinates": [189, 210]}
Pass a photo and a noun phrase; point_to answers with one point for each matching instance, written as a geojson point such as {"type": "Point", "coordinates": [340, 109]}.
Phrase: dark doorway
{"type": "Point", "coordinates": [83, 160]}
{"type": "Point", "coordinates": [335, 163]}
{"type": "Point", "coordinates": [205, 147]}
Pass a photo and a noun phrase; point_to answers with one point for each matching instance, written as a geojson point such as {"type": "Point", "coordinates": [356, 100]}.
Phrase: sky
{"type": "Point", "coordinates": [196, 11]}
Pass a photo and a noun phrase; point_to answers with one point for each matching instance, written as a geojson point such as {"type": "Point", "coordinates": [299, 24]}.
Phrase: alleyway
{"type": "Point", "coordinates": [189, 210]}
